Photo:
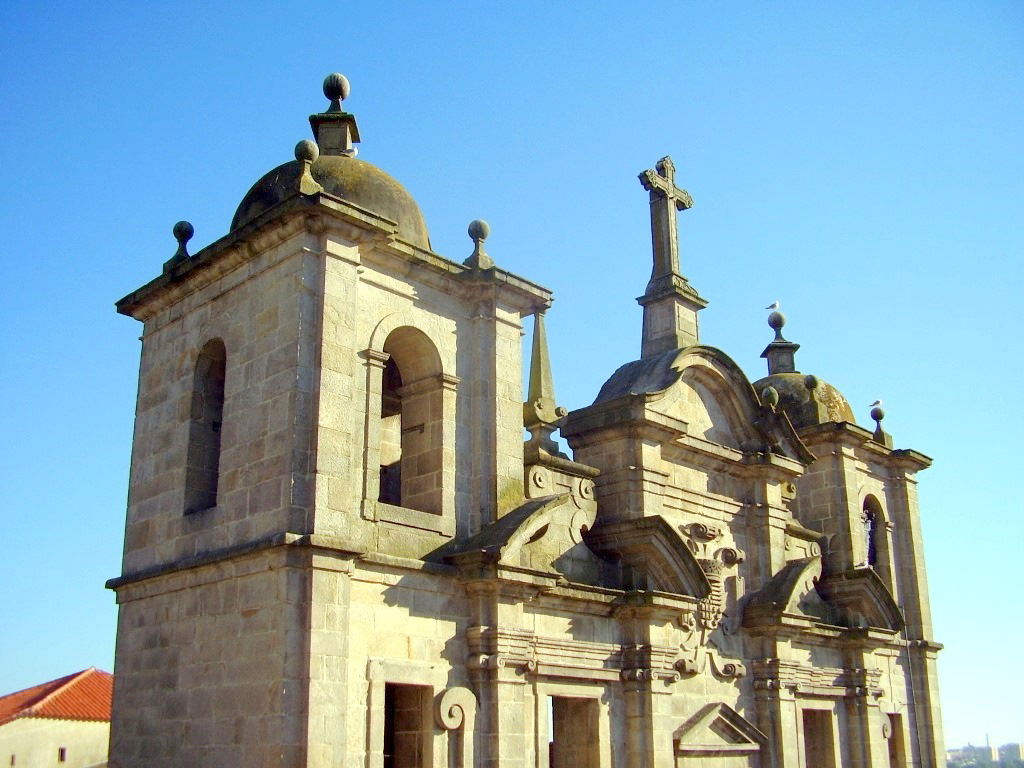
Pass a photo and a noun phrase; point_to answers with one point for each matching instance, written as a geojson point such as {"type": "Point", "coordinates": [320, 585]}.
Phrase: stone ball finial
{"type": "Point", "coordinates": [776, 320]}
{"type": "Point", "coordinates": [336, 87]}
{"type": "Point", "coordinates": [770, 397]}
{"type": "Point", "coordinates": [811, 382]}
{"type": "Point", "coordinates": [183, 232]}
{"type": "Point", "coordinates": [479, 230]}
{"type": "Point", "coordinates": [307, 150]}
{"type": "Point", "coordinates": [877, 414]}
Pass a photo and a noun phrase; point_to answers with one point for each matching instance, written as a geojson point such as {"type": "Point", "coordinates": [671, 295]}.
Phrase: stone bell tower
{"type": "Point", "coordinates": [317, 387]}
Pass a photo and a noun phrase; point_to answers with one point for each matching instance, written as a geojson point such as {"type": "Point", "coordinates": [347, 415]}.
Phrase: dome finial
{"type": "Point", "coordinates": [479, 230]}
{"type": "Point", "coordinates": [335, 130]}
{"type": "Point", "coordinates": [776, 320]}
{"type": "Point", "coordinates": [307, 152]}
{"type": "Point", "coordinates": [337, 89]}
{"type": "Point", "coordinates": [780, 353]}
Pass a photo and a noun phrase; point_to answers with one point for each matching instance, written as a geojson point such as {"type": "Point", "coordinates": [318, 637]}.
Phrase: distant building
{"type": "Point", "coordinates": [971, 755]}
{"type": "Point", "coordinates": [1011, 752]}
{"type": "Point", "coordinates": [65, 722]}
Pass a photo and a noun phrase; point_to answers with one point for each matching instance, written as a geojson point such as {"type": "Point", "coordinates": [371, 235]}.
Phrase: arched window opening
{"type": "Point", "coordinates": [871, 519]}
{"type": "Point", "coordinates": [207, 414]}
{"type": "Point", "coordinates": [411, 428]}
{"type": "Point", "coordinates": [391, 435]}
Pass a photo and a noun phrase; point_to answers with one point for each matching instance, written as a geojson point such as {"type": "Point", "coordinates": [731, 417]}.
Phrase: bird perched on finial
{"type": "Point", "coordinates": [875, 404]}
{"type": "Point", "coordinates": [774, 305]}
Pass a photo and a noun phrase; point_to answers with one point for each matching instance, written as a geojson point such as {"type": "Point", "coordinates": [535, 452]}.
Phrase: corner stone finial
{"type": "Point", "coordinates": [335, 130]}
{"type": "Point", "coordinates": [880, 435]}
{"type": "Point", "coordinates": [183, 232]}
{"type": "Point", "coordinates": [479, 230]}
{"type": "Point", "coordinates": [541, 415]}
{"type": "Point", "coordinates": [781, 354]}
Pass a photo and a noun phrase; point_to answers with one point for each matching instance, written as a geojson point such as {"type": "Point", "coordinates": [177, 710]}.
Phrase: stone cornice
{"type": "Point", "coordinates": [317, 214]}
{"type": "Point", "coordinates": [854, 436]}
{"type": "Point", "coordinates": [626, 416]}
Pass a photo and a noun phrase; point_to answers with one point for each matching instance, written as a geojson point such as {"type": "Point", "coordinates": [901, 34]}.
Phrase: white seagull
{"type": "Point", "coordinates": [774, 305]}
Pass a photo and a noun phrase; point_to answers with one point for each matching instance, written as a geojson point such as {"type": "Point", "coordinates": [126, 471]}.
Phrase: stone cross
{"type": "Point", "coordinates": [666, 198]}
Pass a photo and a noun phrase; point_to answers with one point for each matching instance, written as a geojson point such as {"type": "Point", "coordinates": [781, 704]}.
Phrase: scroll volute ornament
{"type": "Point", "coordinates": [455, 710]}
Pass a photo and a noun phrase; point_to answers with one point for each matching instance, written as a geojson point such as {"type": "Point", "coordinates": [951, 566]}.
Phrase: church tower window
{"type": "Point", "coordinates": [411, 423]}
{"type": "Point", "coordinates": [207, 414]}
{"type": "Point", "coordinates": [391, 435]}
{"type": "Point", "coordinates": [871, 519]}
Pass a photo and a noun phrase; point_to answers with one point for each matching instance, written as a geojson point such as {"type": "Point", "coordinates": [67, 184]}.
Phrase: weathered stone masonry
{"type": "Point", "coordinates": [339, 551]}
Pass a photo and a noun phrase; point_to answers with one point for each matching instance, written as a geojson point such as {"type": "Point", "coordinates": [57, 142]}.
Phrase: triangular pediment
{"type": "Point", "coordinates": [718, 729]}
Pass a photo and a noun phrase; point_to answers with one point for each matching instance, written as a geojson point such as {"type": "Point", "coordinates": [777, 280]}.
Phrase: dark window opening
{"type": "Point", "coordinates": [391, 435]}
{"type": "Point", "coordinates": [406, 725]}
{"type": "Point", "coordinates": [871, 518]}
{"type": "Point", "coordinates": [204, 433]}
{"type": "Point", "coordinates": [62, 754]}
{"type": "Point", "coordinates": [412, 423]}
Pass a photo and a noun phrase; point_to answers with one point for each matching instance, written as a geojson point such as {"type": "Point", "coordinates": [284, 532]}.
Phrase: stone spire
{"type": "Point", "coordinates": [541, 416]}
{"type": "Point", "coordinates": [670, 303]}
{"type": "Point", "coordinates": [781, 354]}
{"type": "Point", "coordinates": [335, 130]}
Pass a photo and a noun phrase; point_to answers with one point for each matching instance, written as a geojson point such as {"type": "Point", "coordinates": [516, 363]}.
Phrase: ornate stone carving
{"type": "Point", "coordinates": [455, 710]}
{"type": "Point", "coordinates": [703, 658]}
{"type": "Point", "coordinates": [453, 706]}
{"type": "Point", "coordinates": [712, 606]}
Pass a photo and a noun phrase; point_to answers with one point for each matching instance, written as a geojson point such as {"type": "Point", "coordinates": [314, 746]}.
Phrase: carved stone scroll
{"type": "Point", "coordinates": [455, 710]}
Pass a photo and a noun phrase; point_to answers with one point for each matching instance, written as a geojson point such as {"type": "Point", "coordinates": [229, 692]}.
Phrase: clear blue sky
{"type": "Point", "coordinates": [861, 162]}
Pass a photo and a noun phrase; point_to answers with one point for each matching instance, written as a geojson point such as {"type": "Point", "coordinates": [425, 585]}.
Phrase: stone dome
{"type": "Point", "coordinates": [353, 180]}
{"type": "Point", "coordinates": [807, 400]}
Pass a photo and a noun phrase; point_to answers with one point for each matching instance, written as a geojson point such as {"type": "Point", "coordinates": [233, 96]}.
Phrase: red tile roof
{"type": "Point", "coordinates": [85, 695]}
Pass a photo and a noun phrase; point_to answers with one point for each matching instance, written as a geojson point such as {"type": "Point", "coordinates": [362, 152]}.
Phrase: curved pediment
{"type": "Point", "coordinates": [791, 594]}
{"type": "Point", "coordinates": [857, 599]}
{"type": "Point", "coordinates": [543, 535]}
{"type": "Point", "coordinates": [862, 600]}
{"type": "Point", "coordinates": [704, 389]}
{"type": "Point", "coordinates": [653, 550]}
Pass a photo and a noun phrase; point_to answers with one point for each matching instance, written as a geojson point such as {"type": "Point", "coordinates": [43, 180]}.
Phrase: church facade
{"type": "Point", "coordinates": [340, 551]}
